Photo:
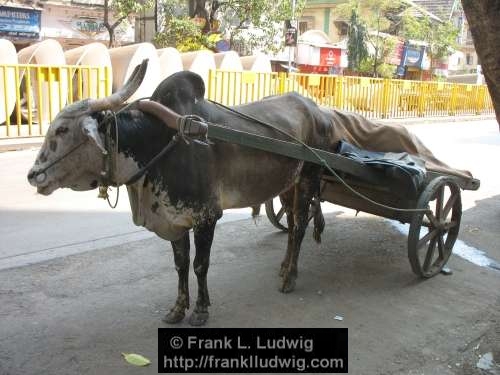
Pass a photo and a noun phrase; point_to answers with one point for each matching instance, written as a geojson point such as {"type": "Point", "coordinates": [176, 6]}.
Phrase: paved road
{"type": "Point", "coordinates": [35, 228]}
{"type": "Point", "coordinates": [76, 314]}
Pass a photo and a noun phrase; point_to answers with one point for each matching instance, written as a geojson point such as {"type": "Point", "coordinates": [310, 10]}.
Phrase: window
{"type": "Point", "coordinates": [469, 60]}
{"type": "Point", "coordinates": [306, 23]}
{"type": "Point", "coordinates": [342, 28]}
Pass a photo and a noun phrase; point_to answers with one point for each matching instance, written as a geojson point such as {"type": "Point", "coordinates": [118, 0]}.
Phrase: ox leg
{"type": "Point", "coordinates": [203, 237]}
{"type": "Point", "coordinates": [181, 258]}
{"type": "Point", "coordinates": [287, 203]}
{"type": "Point", "coordinates": [304, 191]}
{"type": "Point", "coordinates": [318, 219]}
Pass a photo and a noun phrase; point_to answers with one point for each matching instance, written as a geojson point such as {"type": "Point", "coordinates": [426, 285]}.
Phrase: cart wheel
{"type": "Point", "coordinates": [441, 225]}
{"type": "Point", "coordinates": [277, 217]}
{"type": "Point", "coordinates": [276, 213]}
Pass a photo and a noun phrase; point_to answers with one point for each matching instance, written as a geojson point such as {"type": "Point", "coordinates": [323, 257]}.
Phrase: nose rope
{"type": "Point", "coordinates": [57, 160]}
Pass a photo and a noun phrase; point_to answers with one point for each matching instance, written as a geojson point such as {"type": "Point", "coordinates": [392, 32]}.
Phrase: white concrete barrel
{"type": "Point", "coordinates": [170, 62]}
{"type": "Point", "coordinates": [256, 63]}
{"type": "Point", "coordinates": [229, 60]}
{"type": "Point", "coordinates": [200, 62]}
{"type": "Point", "coordinates": [93, 54]}
{"type": "Point", "coordinates": [227, 88]}
{"type": "Point", "coordinates": [8, 56]}
{"type": "Point", "coordinates": [125, 59]}
{"type": "Point", "coordinates": [258, 74]}
{"type": "Point", "coordinates": [49, 53]}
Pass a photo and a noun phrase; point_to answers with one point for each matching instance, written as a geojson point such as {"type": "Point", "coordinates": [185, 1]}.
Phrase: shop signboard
{"type": "Point", "coordinates": [20, 22]}
{"type": "Point", "coordinates": [88, 26]}
{"type": "Point", "coordinates": [329, 56]}
{"type": "Point", "coordinates": [413, 57]}
{"type": "Point", "coordinates": [291, 37]}
{"type": "Point", "coordinates": [290, 33]}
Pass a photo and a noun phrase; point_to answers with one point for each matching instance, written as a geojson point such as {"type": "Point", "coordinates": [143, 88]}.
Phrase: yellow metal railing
{"type": "Point", "coordinates": [372, 97]}
{"type": "Point", "coordinates": [232, 88]}
{"type": "Point", "coordinates": [32, 95]}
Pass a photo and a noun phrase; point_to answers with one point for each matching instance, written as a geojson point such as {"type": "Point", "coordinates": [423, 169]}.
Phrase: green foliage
{"type": "Point", "coordinates": [125, 8]}
{"type": "Point", "coordinates": [372, 13]}
{"type": "Point", "coordinates": [259, 13]}
{"type": "Point", "coordinates": [365, 16]}
{"type": "Point", "coordinates": [356, 43]}
{"type": "Point", "coordinates": [384, 70]}
{"type": "Point", "coordinates": [173, 8]}
{"type": "Point", "coordinates": [441, 37]}
{"type": "Point", "coordinates": [377, 16]}
{"type": "Point", "coordinates": [257, 24]}
{"type": "Point", "coordinates": [122, 9]}
{"type": "Point", "coordinates": [183, 34]}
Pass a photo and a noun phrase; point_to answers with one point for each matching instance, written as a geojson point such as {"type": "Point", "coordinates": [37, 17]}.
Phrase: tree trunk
{"type": "Point", "coordinates": [111, 33]}
{"type": "Point", "coordinates": [483, 17]}
{"type": "Point", "coordinates": [107, 25]}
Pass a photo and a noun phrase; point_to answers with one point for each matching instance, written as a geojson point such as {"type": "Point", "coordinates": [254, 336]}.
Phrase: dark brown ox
{"type": "Point", "coordinates": [189, 188]}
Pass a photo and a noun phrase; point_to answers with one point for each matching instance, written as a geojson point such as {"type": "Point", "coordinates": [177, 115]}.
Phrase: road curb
{"type": "Point", "coordinates": [433, 120]}
{"type": "Point", "coordinates": [18, 144]}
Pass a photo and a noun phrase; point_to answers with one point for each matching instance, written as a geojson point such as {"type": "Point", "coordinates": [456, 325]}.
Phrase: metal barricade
{"type": "Point", "coordinates": [32, 95]}
{"type": "Point", "coordinates": [371, 97]}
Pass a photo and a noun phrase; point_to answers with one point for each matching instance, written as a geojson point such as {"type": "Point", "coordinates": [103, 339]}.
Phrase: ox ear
{"type": "Point", "coordinates": [89, 128]}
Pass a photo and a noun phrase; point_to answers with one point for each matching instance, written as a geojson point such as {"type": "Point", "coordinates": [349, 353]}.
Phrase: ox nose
{"type": "Point", "coordinates": [36, 177]}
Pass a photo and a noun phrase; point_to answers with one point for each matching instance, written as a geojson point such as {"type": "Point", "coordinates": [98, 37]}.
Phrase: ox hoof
{"type": "Point", "coordinates": [174, 316]}
{"type": "Point", "coordinates": [288, 285]}
{"type": "Point", "coordinates": [317, 235]}
{"type": "Point", "coordinates": [198, 318]}
{"type": "Point", "coordinates": [283, 270]}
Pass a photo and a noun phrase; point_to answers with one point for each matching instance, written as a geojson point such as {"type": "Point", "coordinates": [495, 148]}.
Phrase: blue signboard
{"type": "Point", "coordinates": [20, 22]}
{"type": "Point", "coordinates": [413, 56]}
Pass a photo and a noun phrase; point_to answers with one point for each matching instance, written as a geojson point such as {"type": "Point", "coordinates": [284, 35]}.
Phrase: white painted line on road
{"type": "Point", "coordinates": [467, 252]}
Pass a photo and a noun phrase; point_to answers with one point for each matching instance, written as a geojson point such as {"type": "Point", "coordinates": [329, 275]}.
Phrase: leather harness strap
{"type": "Point", "coordinates": [186, 126]}
{"type": "Point", "coordinates": [190, 125]}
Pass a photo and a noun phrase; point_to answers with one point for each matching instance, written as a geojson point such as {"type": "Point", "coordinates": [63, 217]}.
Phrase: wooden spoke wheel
{"type": "Point", "coordinates": [276, 214]}
{"type": "Point", "coordinates": [433, 233]}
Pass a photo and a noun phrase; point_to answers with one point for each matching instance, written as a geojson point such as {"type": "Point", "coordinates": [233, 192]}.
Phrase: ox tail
{"type": "Point", "coordinates": [318, 219]}
{"type": "Point", "coordinates": [256, 213]}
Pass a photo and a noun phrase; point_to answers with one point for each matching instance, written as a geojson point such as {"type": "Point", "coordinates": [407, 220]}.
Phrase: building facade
{"type": "Point", "coordinates": [71, 22]}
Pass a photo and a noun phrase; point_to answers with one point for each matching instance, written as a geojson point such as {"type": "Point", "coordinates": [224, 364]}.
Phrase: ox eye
{"type": "Point", "coordinates": [61, 130]}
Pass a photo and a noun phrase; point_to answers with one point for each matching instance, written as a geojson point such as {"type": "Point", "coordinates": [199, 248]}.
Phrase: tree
{"type": "Point", "coordinates": [483, 16]}
{"type": "Point", "coordinates": [121, 9]}
{"type": "Point", "coordinates": [178, 30]}
{"type": "Point", "coordinates": [356, 43]}
{"type": "Point", "coordinates": [372, 15]}
{"type": "Point", "coordinates": [257, 22]}
{"type": "Point", "coordinates": [182, 34]}
{"type": "Point", "coordinates": [441, 36]}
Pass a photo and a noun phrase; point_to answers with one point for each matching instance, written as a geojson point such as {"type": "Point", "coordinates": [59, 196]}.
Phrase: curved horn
{"type": "Point", "coordinates": [125, 92]}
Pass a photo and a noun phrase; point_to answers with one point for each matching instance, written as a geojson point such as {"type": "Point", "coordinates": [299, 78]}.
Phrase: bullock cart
{"type": "Point", "coordinates": [380, 184]}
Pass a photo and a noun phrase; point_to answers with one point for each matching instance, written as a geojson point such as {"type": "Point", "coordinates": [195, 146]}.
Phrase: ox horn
{"type": "Point", "coordinates": [125, 92]}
